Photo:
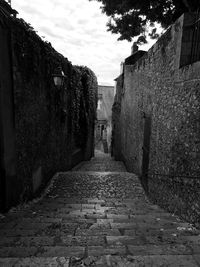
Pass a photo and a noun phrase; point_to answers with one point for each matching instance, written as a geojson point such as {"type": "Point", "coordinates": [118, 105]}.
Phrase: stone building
{"type": "Point", "coordinates": [104, 115]}
{"type": "Point", "coordinates": [156, 118]}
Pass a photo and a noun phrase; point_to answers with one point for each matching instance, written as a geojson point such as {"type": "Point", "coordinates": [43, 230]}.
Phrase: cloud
{"type": "Point", "coordinates": [77, 29]}
{"type": "Point", "coordinates": [30, 10]}
{"type": "Point", "coordinates": [49, 32]}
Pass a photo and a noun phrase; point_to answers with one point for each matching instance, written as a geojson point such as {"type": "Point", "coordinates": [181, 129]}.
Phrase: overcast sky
{"type": "Point", "coordinates": [77, 29]}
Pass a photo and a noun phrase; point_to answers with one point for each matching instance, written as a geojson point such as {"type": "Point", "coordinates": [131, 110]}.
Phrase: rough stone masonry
{"type": "Point", "coordinates": [156, 117]}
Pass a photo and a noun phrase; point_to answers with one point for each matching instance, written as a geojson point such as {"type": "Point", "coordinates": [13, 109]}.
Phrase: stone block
{"type": "Point", "coordinates": [60, 251]}
{"type": "Point", "coordinates": [131, 225]}
{"type": "Point", "coordinates": [99, 250]}
{"type": "Point", "coordinates": [125, 240]}
{"type": "Point", "coordinates": [6, 252]}
{"type": "Point", "coordinates": [98, 232]}
{"type": "Point", "coordinates": [169, 249]}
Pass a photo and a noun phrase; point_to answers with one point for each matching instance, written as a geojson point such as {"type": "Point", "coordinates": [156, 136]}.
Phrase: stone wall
{"type": "Point", "coordinates": [104, 115]}
{"type": "Point", "coordinates": [159, 121]}
{"type": "Point", "coordinates": [51, 129]}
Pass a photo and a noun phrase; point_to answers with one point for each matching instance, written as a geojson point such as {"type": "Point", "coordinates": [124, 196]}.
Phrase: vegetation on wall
{"type": "Point", "coordinates": [47, 119]}
{"type": "Point", "coordinates": [84, 103]}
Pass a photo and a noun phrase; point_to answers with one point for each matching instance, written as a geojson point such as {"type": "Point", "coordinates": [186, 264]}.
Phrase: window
{"type": "Point", "coordinates": [99, 104]}
{"type": "Point", "coordinates": [190, 48]}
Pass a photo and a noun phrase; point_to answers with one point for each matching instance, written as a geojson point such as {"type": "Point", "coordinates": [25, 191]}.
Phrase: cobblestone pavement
{"type": "Point", "coordinates": [96, 215]}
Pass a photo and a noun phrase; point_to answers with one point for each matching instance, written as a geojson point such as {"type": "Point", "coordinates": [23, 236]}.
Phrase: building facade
{"type": "Point", "coordinates": [104, 116]}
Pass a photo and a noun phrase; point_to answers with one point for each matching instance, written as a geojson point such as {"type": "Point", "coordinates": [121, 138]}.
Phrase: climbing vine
{"type": "Point", "coordinates": [50, 123]}
{"type": "Point", "coordinates": [84, 102]}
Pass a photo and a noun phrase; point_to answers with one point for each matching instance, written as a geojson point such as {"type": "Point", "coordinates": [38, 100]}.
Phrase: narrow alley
{"type": "Point", "coordinates": [96, 215]}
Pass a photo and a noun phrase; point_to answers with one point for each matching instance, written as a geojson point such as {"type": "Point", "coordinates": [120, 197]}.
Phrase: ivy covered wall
{"type": "Point", "coordinates": [53, 127]}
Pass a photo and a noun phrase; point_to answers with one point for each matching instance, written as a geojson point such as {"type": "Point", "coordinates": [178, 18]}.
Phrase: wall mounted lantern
{"type": "Point", "coordinates": [58, 77]}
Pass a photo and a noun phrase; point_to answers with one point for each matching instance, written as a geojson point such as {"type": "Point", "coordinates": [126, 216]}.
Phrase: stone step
{"type": "Point", "coordinates": [44, 251]}
{"type": "Point", "coordinates": [105, 261]}
{"type": "Point", "coordinates": [95, 217]}
{"type": "Point", "coordinates": [35, 261]}
{"type": "Point", "coordinates": [102, 238]}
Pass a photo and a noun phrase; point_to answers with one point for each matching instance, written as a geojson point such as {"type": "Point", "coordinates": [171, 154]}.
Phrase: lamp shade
{"type": "Point", "coordinates": [58, 81]}
{"type": "Point", "coordinates": [58, 77]}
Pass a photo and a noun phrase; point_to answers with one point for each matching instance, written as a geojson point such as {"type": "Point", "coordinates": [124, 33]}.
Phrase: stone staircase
{"type": "Point", "coordinates": [96, 215]}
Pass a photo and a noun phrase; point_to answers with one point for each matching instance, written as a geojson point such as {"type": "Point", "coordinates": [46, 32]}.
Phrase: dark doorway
{"type": "Point", "coordinates": [102, 129]}
{"type": "Point", "coordinates": [2, 171]}
{"type": "Point", "coordinates": [8, 182]}
{"type": "Point", "coordinates": [146, 149]}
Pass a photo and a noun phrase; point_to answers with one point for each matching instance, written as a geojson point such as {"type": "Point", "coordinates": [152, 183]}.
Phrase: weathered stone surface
{"type": "Point", "coordinates": [169, 249]}
{"type": "Point", "coordinates": [137, 261]}
{"type": "Point", "coordinates": [98, 232]}
{"type": "Point", "coordinates": [156, 121]}
{"type": "Point", "coordinates": [6, 251]}
{"type": "Point", "coordinates": [60, 251]}
{"type": "Point", "coordinates": [35, 262]}
{"type": "Point", "coordinates": [94, 230]}
{"type": "Point", "coordinates": [112, 250]}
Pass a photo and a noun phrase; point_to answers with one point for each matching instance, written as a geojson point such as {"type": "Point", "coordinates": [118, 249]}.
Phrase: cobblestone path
{"type": "Point", "coordinates": [96, 215]}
